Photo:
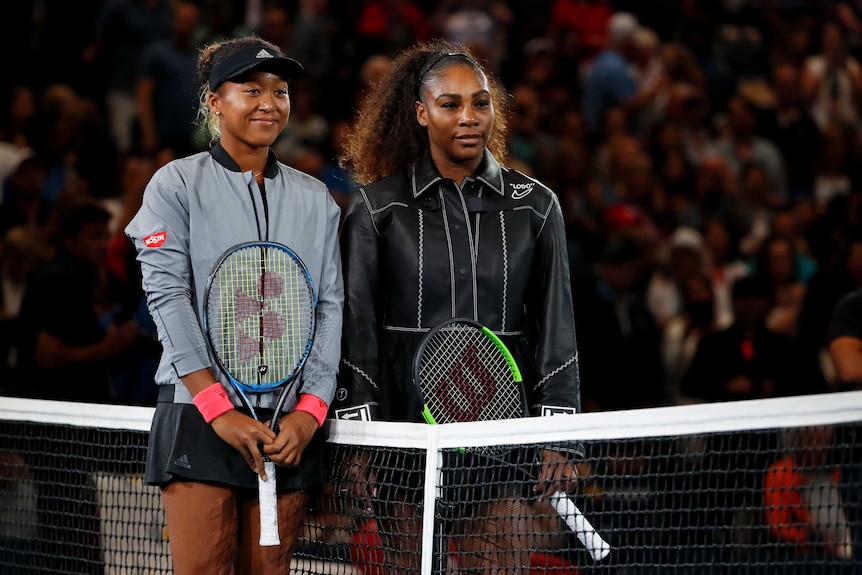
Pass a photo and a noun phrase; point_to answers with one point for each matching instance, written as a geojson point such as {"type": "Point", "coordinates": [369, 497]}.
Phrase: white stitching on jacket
{"type": "Point", "coordinates": [421, 266]}
{"type": "Point", "coordinates": [571, 360]}
{"type": "Point", "coordinates": [359, 371]}
{"type": "Point", "coordinates": [505, 266]}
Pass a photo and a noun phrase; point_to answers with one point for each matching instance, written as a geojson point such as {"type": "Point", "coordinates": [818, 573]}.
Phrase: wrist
{"type": "Point", "coordinates": [213, 402]}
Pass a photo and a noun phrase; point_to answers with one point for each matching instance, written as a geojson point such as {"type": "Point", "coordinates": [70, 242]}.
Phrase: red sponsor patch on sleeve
{"type": "Point", "coordinates": [155, 240]}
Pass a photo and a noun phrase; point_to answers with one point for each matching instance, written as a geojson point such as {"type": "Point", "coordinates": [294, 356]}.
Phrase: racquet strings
{"type": "Point", "coordinates": [261, 314]}
{"type": "Point", "coordinates": [464, 376]}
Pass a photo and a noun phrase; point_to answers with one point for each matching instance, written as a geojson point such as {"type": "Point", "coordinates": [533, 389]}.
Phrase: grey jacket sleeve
{"type": "Point", "coordinates": [160, 232]}
{"type": "Point", "coordinates": [318, 377]}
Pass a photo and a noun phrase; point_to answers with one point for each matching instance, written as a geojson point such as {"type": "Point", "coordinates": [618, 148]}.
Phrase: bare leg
{"type": "Point", "coordinates": [496, 538]}
{"type": "Point", "coordinates": [202, 524]}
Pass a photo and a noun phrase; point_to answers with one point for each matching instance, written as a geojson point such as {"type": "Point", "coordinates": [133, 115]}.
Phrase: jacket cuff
{"type": "Point", "coordinates": [313, 405]}
{"type": "Point", "coordinates": [572, 449]}
{"type": "Point", "coordinates": [363, 412]}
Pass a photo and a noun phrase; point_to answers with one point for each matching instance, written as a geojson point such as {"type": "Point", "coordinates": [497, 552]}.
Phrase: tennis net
{"type": "Point", "coordinates": [766, 486]}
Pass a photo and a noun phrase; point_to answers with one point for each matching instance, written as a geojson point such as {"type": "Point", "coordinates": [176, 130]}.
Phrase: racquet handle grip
{"type": "Point", "coordinates": [580, 526]}
{"type": "Point", "coordinates": [268, 500]}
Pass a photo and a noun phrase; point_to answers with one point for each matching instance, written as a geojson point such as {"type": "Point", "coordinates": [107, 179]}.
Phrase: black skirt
{"type": "Point", "coordinates": [183, 446]}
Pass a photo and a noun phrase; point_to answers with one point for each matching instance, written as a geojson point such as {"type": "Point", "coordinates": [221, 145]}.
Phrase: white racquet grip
{"type": "Point", "coordinates": [268, 500]}
{"type": "Point", "coordinates": [580, 526]}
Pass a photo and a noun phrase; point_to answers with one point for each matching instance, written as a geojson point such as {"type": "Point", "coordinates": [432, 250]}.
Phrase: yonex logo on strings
{"type": "Point", "coordinates": [521, 190]}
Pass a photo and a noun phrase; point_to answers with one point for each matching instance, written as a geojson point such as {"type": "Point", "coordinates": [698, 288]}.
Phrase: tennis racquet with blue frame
{"type": "Point", "coordinates": [464, 372]}
{"type": "Point", "coordinates": [259, 320]}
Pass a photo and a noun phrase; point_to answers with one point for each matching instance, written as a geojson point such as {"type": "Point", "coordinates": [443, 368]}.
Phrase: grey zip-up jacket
{"type": "Point", "coordinates": [193, 210]}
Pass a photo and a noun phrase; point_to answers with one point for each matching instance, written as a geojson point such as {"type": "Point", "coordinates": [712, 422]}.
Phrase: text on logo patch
{"type": "Point", "coordinates": [155, 240]}
{"type": "Point", "coordinates": [521, 190]}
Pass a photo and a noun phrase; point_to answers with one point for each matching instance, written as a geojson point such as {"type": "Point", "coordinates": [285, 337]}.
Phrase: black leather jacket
{"type": "Point", "coordinates": [417, 250]}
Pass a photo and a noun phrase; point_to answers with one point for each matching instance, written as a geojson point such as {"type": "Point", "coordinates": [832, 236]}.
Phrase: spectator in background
{"type": "Point", "coordinates": [529, 142]}
{"type": "Point", "coordinates": [480, 25]}
{"type": "Point", "coordinates": [610, 306]}
{"type": "Point", "coordinates": [70, 138]}
{"type": "Point", "coordinates": [610, 81]}
{"type": "Point", "coordinates": [832, 162]}
{"type": "Point", "coordinates": [166, 90]}
{"type": "Point", "coordinates": [617, 143]}
{"type": "Point", "coordinates": [17, 107]}
{"type": "Point", "coordinates": [715, 195]}
{"type": "Point", "coordinates": [68, 334]}
{"type": "Point", "coordinates": [650, 77]}
{"type": "Point", "coordinates": [271, 21]}
{"type": "Point", "coordinates": [637, 185]}
{"type": "Point", "coordinates": [588, 19]}
{"type": "Point", "coordinates": [832, 81]}
{"type": "Point", "coordinates": [19, 254]}
{"type": "Point", "coordinates": [747, 360]}
{"type": "Point", "coordinates": [759, 204]}
{"type": "Point", "coordinates": [845, 340]}
{"type": "Point", "coordinates": [123, 30]}
{"type": "Point", "coordinates": [308, 130]}
{"type": "Point", "coordinates": [682, 257]}
{"type": "Point", "coordinates": [313, 37]}
{"type": "Point", "coordinates": [845, 351]}
{"type": "Point", "coordinates": [725, 266]}
{"type": "Point", "coordinates": [683, 332]}
{"type": "Point", "coordinates": [23, 203]}
{"type": "Point", "coordinates": [827, 287]}
{"type": "Point", "coordinates": [804, 508]}
{"type": "Point", "coordinates": [688, 107]}
{"type": "Point", "coordinates": [742, 146]}
{"type": "Point", "coordinates": [388, 26]}
{"type": "Point", "coordinates": [786, 224]}
{"type": "Point", "coordinates": [789, 125]}
{"type": "Point", "coordinates": [339, 181]}
{"type": "Point", "coordinates": [778, 267]}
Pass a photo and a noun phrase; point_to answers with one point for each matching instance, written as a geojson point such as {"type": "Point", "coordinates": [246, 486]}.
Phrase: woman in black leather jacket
{"type": "Point", "coordinates": [442, 229]}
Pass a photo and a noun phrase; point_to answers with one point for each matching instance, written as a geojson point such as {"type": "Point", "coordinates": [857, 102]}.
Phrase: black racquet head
{"type": "Point", "coordinates": [463, 372]}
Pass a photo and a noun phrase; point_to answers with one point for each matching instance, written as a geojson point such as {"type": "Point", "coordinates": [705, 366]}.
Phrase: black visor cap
{"type": "Point", "coordinates": [254, 58]}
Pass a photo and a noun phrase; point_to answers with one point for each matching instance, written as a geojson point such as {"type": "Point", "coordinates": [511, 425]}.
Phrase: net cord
{"type": "Point", "coordinates": [776, 413]}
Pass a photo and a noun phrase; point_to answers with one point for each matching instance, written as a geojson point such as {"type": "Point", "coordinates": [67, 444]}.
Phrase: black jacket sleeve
{"type": "Point", "coordinates": [357, 395]}
{"type": "Point", "coordinates": [556, 374]}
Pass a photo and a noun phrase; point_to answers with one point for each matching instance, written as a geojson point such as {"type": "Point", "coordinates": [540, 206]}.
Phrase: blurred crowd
{"type": "Point", "coordinates": [707, 156]}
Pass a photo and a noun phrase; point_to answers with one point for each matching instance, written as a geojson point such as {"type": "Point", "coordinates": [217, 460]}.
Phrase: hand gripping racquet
{"type": "Point", "coordinates": [463, 372]}
{"type": "Point", "coordinates": [259, 319]}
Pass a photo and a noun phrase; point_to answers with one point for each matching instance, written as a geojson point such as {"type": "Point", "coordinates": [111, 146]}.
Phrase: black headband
{"type": "Point", "coordinates": [257, 57]}
{"type": "Point", "coordinates": [436, 58]}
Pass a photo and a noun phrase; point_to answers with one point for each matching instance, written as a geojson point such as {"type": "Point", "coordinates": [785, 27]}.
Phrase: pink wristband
{"type": "Point", "coordinates": [212, 402]}
{"type": "Point", "coordinates": [313, 405]}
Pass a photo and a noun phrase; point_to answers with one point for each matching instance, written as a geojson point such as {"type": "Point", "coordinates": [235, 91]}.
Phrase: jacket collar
{"type": "Point", "coordinates": [424, 174]}
{"type": "Point", "coordinates": [221, 156]}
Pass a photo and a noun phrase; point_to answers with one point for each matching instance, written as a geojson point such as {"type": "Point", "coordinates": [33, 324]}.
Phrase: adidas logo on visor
{"type": "Point", "coordinates": [264, 54]}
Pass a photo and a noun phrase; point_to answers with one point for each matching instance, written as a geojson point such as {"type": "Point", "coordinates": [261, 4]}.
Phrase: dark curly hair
{"type": "Point", "coordinates": [386, 137]}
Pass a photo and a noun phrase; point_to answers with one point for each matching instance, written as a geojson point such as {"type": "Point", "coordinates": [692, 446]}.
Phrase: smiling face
{"type": "Point", "coordinates": [457, 110]}
{"type": "Point", "coordinates": [253, 110]}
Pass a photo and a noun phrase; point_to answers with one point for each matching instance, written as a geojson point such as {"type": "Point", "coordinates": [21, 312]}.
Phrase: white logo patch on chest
{"type": "Point", "coordinates": [520, 191]}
